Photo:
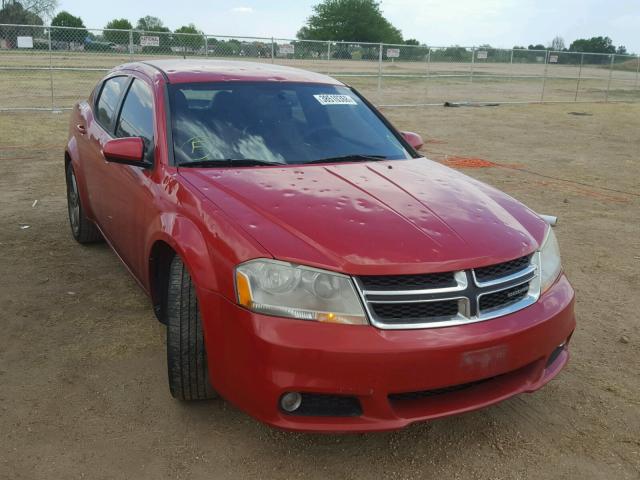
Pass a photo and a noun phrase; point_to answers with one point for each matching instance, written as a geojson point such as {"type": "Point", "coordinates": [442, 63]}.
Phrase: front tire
{"type": "Point", "coordinates": [82, 229]}
{"type": "Point", "coordinates": [186, 354]}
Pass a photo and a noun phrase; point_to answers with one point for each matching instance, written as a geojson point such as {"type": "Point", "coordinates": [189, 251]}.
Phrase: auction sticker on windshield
{"type": "Point", "coordinates": [334, 99]}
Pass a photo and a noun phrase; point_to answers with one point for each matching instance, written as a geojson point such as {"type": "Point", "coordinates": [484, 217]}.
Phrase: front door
{"type": "Point", "coordinates": [130, 189]}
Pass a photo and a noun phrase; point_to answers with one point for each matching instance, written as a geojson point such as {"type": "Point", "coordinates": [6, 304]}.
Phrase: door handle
{"type": "Point", "coordinates": [81, 128]}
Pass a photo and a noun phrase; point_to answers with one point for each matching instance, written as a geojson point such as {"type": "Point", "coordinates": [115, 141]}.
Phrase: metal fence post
{"type": "Point", "coordinates": [206, 45]}
{"type": "Point", "coordinates": [273, 50]}
{"type": "Point", "coordinates": [131, 45]}
{"type": "Point", "coordinates": [544, 77]}
{"type": "Point", "coordinates": [328, 58]}
{"type": "Point", "coordinates": [511, 67]}
{"type": "Point", "coordinates": [637, 71]}
{"type": "Point", "coordinates": [473, 61]}
{"type": "Point", "coordinates": [380, 72]}
{"type": "Point", "coordinates": [575, 99]}
{"type": "Point", "coordinates": [50, 67]}
{"type": "Point", "coordinates": [428, 81]}
{"type": "Point", "coordinates": [606, 96]}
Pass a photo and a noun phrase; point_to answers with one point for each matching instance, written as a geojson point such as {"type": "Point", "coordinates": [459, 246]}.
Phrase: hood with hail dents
{"type": "Point", "coordinates": [407, 216]}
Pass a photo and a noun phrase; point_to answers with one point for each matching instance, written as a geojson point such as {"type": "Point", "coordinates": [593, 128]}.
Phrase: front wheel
{"type": "Point", "coordinates": [82, 229]}
{"type": "Point", "coordinates": [186, 354]}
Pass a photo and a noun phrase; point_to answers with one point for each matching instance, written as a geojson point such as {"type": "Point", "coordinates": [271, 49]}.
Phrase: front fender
{"type": "Point", "coordinates": [186, 239]}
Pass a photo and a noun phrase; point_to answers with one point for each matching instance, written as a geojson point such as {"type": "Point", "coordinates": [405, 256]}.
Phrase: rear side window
{"type": "Point", "coordinates": [136, 118]}
{"type": "Point", "coordinates": [108, 101]}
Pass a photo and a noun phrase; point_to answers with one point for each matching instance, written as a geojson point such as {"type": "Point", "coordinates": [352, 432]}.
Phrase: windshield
{"type": "Point", "coordinates": [274, 122]}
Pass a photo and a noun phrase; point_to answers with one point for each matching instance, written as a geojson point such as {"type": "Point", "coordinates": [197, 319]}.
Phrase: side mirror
{"type": "Point", "coordinates": [413, 139]}
{"type": "Point", "coordinates": [129, 150]}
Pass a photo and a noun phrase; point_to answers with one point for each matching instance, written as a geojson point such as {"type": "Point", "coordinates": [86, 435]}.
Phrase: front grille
{"type": "Point", "coordinates": [415, 312]}
{"type": "Point", "coordinates": [504, 298]}
{"type": "Point", "coordinates": [493, 272]}
{"type": "Point", "coordinates": [323, 405]}
{"type": "Point", "coordinates": [408, 282]}
{"type": "Point", "coordinates": [450, 298]}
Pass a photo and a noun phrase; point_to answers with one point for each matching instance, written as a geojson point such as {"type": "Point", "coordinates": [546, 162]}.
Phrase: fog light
{"type": "Point", "coordinates": [290, 401]}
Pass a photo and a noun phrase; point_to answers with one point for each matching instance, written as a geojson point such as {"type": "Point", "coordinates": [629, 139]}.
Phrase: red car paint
{"type": "Point", "coordinates": [382, 218]}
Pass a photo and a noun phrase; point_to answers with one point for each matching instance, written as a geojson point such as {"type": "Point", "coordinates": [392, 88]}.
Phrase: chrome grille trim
{"type": "Point", "coordinates": [514, 276]}
{"type": "Point", "coordinates": [459, 277]}
{"type": "Point", "coordinates": [468, 292]}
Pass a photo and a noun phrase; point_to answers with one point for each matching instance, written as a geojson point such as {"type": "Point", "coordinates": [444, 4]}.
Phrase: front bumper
{"type": "Point", "coordinates": [253, 359]}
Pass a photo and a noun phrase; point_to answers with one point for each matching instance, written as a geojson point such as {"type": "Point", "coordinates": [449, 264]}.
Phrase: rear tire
{"type": "Point", "coordinates": [186, 354]}
{"type": "Point", "coordinates": [82, 229]}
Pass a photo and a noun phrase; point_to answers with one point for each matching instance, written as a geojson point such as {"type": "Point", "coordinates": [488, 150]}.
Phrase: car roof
{"type": "Point", "coordinates": [211, 70]}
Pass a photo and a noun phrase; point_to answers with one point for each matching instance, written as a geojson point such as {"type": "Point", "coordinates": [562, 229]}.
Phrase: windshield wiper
{"type": "Point", "coordinates": [349, 158]}
{"type": "Point", "coordinates": [227, 162]}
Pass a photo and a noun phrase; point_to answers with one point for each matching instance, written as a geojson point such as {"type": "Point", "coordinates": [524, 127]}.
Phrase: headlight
{"type": "Point", "coordinates": [550, 265]}
{"type": "Point", "coordinates": [286, 290]}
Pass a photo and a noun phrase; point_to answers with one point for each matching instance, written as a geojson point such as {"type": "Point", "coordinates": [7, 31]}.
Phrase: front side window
{"type": "Point", "coordinates": [136, 117]}
{"type": "Point", "coordinates": [273, 122]}
{"type": "Point", "coordinates": [108, 100]}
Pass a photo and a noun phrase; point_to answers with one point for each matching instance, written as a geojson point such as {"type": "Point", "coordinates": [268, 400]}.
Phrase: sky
{"type": "Point", "coordinates": [500, 23]}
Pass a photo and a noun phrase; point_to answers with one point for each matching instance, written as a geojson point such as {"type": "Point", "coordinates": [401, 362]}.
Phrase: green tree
{"type": "Point", "coordinates": [120, 38]}
{"type": "Point", "coordinates": [41, 8]}
{"type": "Point", "coordinates": [14, 13]}
{"type": "Point", "coordinates": [416, 52]}
{"type": "Point", "coordinates": [351, 20]}
{"type": "Point", "coordinates": [557, 44]}
{"type": "Point", "coordinates": [151, 24]}
{"type": "Point", "coordinates": [451, 54]}
{"type": "Point", "coordinates": [189, 38]}
{"type": "Point", "coordinates": [229, 48]}
{"type": "Point", "coordinates": [593, 45]}
{"type": "Point", "coordinates": [65, 19]}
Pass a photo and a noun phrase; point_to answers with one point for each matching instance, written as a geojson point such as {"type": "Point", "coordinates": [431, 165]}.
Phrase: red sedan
{"type": "Point", "coordinates": [310, 265]}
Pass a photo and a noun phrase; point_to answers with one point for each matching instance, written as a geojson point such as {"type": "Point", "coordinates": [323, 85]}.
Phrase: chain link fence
{"type": "Point", "coordinates": [51, 68]}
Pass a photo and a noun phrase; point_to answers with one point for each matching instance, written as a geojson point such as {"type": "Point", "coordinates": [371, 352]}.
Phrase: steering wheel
{"type": "Point", "coordinates": [314, 132]}
{"type": "Point", "coordinates": [318, 130]}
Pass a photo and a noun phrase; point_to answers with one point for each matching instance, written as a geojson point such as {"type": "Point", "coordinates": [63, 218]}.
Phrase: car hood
{"type": "Point", "coordinates": [406, 216]}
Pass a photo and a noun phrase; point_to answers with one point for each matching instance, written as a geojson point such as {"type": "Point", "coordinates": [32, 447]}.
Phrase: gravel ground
{"type": "Point", "coordinates": [82, 362]}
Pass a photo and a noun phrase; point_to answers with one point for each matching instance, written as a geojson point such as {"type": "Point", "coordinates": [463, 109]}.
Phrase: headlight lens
{"type": "Point", "coordinates": [287, 290]}
{"type": "Point", "coordinates": [550, 264]}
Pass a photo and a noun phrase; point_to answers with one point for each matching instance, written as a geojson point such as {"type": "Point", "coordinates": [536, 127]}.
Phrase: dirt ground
{"type": "Point", "coordinates": [82, 361]}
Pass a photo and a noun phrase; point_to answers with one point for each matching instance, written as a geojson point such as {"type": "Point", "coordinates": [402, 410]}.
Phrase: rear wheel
{"type": "Point", "coordinates": [186, 354]}
{"type": "Point", "coordinates": [82, 229]}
